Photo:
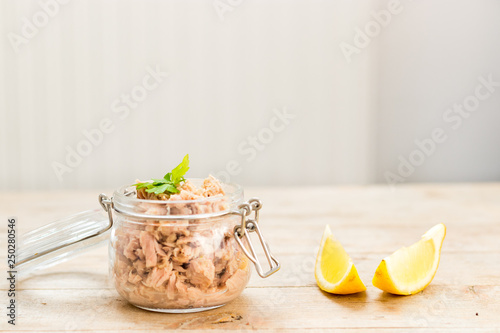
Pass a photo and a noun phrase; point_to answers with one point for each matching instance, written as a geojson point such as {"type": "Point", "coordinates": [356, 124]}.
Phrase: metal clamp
{"type": "Point", "coordinates": [251, 225]}
{"type": "Point", "coordinates": [107, 205]}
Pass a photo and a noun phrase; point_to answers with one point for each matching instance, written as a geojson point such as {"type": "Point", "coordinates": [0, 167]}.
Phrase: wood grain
{"type": "Point", "coordinates": [371, 222]}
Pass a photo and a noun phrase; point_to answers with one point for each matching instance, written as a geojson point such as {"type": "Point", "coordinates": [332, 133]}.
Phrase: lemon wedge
{"type": "Point", "coordinates": [410, 269]}
{"type": "Point", "coordinates": [335, 273]}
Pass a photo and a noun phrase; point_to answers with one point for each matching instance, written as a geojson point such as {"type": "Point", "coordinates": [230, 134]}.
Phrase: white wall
{"type": "Point", "coordinates": [430, 59]}
{"type": "Point", "coordinates": [226, 78]}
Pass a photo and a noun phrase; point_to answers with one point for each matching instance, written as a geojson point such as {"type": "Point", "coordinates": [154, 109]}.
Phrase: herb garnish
{"type": "Point", "coordinates": [169, 182]}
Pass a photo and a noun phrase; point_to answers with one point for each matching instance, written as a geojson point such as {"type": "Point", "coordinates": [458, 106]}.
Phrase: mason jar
{"type": "Point", "coordinates": [172, 256]}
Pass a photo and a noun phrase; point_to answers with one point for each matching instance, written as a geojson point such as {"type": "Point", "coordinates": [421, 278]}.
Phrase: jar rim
{"type": "Point", "coordinates": [124, 203]}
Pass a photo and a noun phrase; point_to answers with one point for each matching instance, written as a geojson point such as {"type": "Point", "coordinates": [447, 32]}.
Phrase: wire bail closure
{"type": "Point", "coordinates": [107, 205]}
{"type": "Point", "coordinates": [249, 225]}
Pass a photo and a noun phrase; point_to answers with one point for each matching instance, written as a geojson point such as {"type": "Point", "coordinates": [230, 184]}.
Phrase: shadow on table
{"type": "Point", "coordinates": [229, 316]}
{"type": "Point", "coordinates": [353, 301]}
{"type": "Point", "coordinates": [395, 303]}
{"type": "Point", "coordinates": [65, 279]}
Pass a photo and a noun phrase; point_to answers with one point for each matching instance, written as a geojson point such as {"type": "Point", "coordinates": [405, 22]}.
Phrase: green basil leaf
{"type": "Point", "coordinates": [179, 171]}
{"type": "Point", "coordinates": [158, 189]}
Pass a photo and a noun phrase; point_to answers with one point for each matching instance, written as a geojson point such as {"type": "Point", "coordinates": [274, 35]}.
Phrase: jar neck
{"type": "Point", "coordinates": [125, 202]}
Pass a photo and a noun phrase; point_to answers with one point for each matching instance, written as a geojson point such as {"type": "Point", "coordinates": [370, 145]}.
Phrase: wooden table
{"type": "Point", "coordinates": [371, 222]}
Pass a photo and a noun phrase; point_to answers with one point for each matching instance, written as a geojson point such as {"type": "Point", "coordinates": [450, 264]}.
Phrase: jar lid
{"type": "Point", "coordinates": [61, 240]}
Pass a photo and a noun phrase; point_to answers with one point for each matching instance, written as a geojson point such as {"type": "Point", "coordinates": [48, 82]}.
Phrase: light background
{"type": "Point", "coordinates": [352, 120]}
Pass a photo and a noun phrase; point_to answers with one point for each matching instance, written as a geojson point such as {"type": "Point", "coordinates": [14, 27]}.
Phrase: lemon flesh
{"type": "Point", "coordinates": [410, 269]}
{"type": "Point", "coordinates": [335, 273]}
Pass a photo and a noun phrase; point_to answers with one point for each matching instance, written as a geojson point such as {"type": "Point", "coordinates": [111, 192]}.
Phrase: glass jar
{"type": "Point", "coordinates": [165, 256]}
{"type": "Point", "coordinates": [188, 262]}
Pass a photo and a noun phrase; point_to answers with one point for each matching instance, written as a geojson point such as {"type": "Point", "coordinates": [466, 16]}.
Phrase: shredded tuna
{"type": "Point", "coordinates": [149, 248]}
{"type": "Point", "coordinates": [185, 263]}
{"type": "Point", "coordinates": [201, 272]}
